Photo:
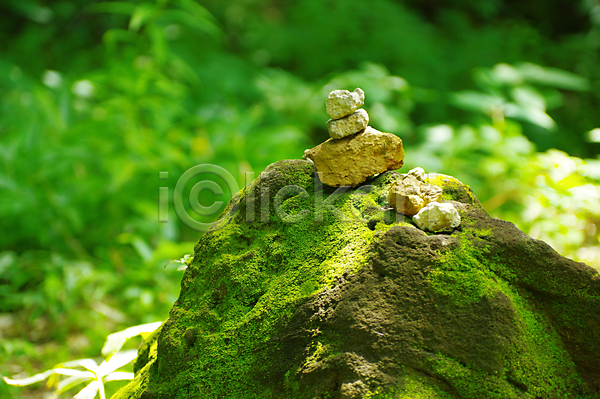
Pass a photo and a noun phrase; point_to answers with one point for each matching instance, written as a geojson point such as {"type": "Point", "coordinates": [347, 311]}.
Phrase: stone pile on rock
{"type": "Point", "coordinates": [410, 195]}
{"type": "Point", "coordinates": [339, 309]}
{"type": "Point", "coordinates": [355, 150]}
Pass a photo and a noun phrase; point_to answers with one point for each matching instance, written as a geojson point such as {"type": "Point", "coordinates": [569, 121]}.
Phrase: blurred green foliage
{"type": "Point", "coordinates": [98, 97]}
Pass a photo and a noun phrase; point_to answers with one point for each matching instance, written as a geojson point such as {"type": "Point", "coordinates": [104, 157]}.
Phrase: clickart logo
{"type": "Point", "coordinates": [213, 180]}
{"type": "Point", "coordinates": [211, 174]}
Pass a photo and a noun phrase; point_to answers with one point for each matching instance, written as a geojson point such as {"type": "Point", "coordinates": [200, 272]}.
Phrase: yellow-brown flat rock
{"type": "Point", "coordinates": [351, 160]}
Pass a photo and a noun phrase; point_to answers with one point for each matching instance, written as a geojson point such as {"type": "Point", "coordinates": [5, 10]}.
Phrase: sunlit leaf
{"type": "Point", "coordinates": [529, 114]}
{"type": "Point", "coordinates": [32, 10]}
{"type": "Point", "coordinates": [116, 361]}
{"type": "Point", "coordinates": [140, 15]}
{"type": "Point", "coordinates": [115, 341]}
{"type": "Point", "coordinates": [89, 364]}
{"type": "Point", "coordinates": [593, 136]}
{"type": "Point", "coordinates": [529, 97]}
{"type": "Point", "coordinates": [571, 181]}
{"type": "Point", "coordinates": [552, 77]}
{"type": "Point", "coordinates": [142, 248]}
{"type": "Point", "coordinates": [118, 376]}
{"type": "Point", "coordinates": [89, 392]}
{"type": "Point", "coordinates": [205, 25]}
{"type": "Point", "coordinates": [505, 74]}
{"type": "Point", "coordinates": [21, 382]}
{"type": "Point", "coordinates": [112, 37]}
{"type": "Point", "coordinates": [70, 382]}
{"type": "Point", "coordinates": [113, 7]}
{"type": "Point", "coordinates": [592, 169]}
{"type": "Point", "coordinates": [475, 101]}
{"type": "Point", "coordinates": [586, 192]}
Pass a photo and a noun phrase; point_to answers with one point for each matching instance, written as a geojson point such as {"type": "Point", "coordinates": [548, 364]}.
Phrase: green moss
{"type": "Point", "coordinates": [535, 358]}
{"type": "Point", "coordinates": [538, 360]}
{"type": "Point", "coordinates": [245, 282]}
{"type": "Point", "coordinates": [462, 275]}
{"type": "Point", "coordinates": [135, 388]}
{"type": "Point", "coordinates": [146, 358]}
{"type": "Point", "coordinates": [453, 189]}
{"type": "Point", "coordinates": [414, 385]}
{"type": "Point", "coordinates": [147, 351]}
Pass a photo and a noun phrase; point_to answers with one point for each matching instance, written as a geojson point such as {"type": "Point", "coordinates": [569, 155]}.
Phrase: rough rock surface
{"type": "Point", "coordinates": [418, 173]}
{"type": "Point", "coordinates": [409, 194]}
{"type": "Point", "coordinates": [371, 306]}
{"type": "Point", "coordinates": [341, 103]}
{"type": "Point", "coordinates": [351, 160]}
{"type": "Point", "coordinates": [437, 216]}
{"type": "Point", "coordinates": [348, 125]}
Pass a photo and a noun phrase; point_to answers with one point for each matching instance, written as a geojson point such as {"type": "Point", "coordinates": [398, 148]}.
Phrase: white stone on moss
{"type": "Point", "coordinates": [437, 216]}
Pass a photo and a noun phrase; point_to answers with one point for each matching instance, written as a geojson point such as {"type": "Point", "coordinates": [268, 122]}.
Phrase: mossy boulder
{"type": "Point", "coordinates": [308, 292]}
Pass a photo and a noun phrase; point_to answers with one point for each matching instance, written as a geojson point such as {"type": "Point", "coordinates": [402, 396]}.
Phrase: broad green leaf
{"type": "Point", "coordinates": [505, 74]}
{"type": "Point", "coordinates": [571, 181]}
{"type": "Point", "coordinates": [115, 341]}
{"type": "Point", "coordinates": [186, 260]}
{"type": "Point", "coordinates": [194, 8]}
{"type": "Point", "coordinates": [113, 36]}
{"type": "Point", "coordinates": [529, 97]}
{"type": "Point", "coordinates": [475, 101]}
{"type": "Point", "coordinates": [587, 192]}
{"type": "Point", "coordinates": [118, 376]}
{"type": "Point", "coordinates": [21, 382]}
{"type": "Point", "coordinates": [141, 14]}
{"type": "Point", "coordinates": [206, 25]}
{"type": "Point", "coordinates": [529, 114]}
{"type": "Point", "coordinates": [593, 136]}
{"type": "Point", "coordinates": [89, 392]}
{"type": "Point", "coordinates": [89, 364]}
{"type": "Point", "coordinates": [172, 261]}
{"type": "Point", "coordinates": [70, 382]}
{"type": "Point", "coordinates": [142, 248]}
{"type": "Point", "coordinates": [592, 169]}
{"type": "Point", "coordinates": [553, 77]}
{"type": "Point", "coordinates": [113, 7]}
{"type": "Point", "coordinates": [116, 361]}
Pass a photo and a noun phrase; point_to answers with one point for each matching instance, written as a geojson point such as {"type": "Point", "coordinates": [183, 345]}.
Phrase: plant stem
{"type": "Point", "coordinates": [100, 387]}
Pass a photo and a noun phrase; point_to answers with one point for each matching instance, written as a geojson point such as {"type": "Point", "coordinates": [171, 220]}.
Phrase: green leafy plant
{"type": "Point", "coordinates": [184, 262]}
{"type": "Point", "coordinates": [88, 371]}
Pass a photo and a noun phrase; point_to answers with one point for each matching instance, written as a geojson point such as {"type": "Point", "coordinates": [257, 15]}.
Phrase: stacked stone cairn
{"type": "Point", "coordinates": [355, 151]}
{"type": "Point", "coordinates": [346, 118]}
{"type": "Point", "coordinates": [413, 197]}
